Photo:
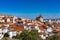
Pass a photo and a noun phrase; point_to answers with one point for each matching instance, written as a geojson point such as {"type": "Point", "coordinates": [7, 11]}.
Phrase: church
{"type": "Point", "coordinates": [40, 18]}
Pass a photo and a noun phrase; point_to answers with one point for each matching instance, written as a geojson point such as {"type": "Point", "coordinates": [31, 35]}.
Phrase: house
{"type": "Point", "coordinates": [49, 30]}
{"type": "Point", "coordinates": [8, 20]}
{"type": "Point", "coordinates": [5, 30]}
{"type": "Point", "coordinates": [1, 34]}
{"type": "Point", "coordinates": [12, 33]}
{"type": "Point", "coordinates": [43, 37]}
{"type": "Point", "coordinates": [14, 18]}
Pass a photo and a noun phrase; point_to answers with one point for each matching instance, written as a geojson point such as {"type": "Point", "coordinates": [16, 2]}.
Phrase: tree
{"type": "Point", "coordinates": [54, 37]}
{"type": "Point", "coordinates": [33, 35]}
{"type": "Point", "coordinates": [29, 35]}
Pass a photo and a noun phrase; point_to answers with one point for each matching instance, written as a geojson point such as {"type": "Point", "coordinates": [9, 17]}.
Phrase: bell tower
{"type": "Point", "coordinates": [40, 18]}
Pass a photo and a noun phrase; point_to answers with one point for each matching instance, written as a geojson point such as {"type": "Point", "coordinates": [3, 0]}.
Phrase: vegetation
{"type": "Point", "coordinates": [6, 35]}
{"type": "Point", "coordinates": [54, 37]}
{"type": "Point", "coordinates": [29, 35]}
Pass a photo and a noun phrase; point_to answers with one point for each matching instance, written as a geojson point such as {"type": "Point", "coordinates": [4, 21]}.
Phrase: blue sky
{"type": "Point", "coordinates": [31, 8]}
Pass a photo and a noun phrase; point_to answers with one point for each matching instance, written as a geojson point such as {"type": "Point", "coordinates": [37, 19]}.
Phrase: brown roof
{"type": "Point", "coordinates": [15, 27]}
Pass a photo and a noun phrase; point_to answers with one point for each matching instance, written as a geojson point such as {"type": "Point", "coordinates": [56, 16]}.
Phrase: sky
{"type": "Point", "coordinates": [31, 8]}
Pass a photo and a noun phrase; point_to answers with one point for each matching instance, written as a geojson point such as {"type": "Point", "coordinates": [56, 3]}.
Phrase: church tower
{"type": "Point", "coordinates": [40, 18]}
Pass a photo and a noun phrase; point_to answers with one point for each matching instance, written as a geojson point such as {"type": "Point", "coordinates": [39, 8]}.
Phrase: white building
{"type": "Point", "coordinates": [43, 37]}
{"type": "Point", "coordinates": [8, 19]}
{"type": "Point", "coordinates": [12, 33]}
{"type": "Point", "coordinates": [14, 19]}
{"type": "Point", "coordinates": [1, 35]}
{"type": "Point", "coordinates": [5, 30]}
{"type": "Point", "coordinates": [49, 30]}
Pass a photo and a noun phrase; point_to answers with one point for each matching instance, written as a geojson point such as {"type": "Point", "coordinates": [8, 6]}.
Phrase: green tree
{"type": "Point", "coordinates": [29, 35]}
{"type": "Point", "coordinates": [54, 37]}
{"type": "Point", "coordinates": [33, 35]}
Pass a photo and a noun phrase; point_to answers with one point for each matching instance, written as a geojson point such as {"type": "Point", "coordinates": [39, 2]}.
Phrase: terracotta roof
{"type": "Point", "coordinates": [2, 27]}
{"type": "Point", "coordinates": [42, 26]}
{"type": "Point", "coordinates": [15, 27]}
